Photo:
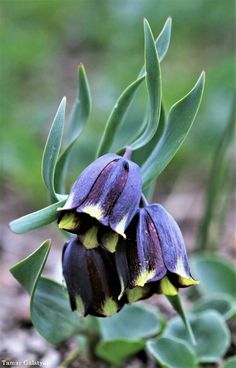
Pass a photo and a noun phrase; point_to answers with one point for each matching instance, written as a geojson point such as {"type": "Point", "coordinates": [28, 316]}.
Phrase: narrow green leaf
{"type": "Point", "coordinates": [52, 149]}
{"type": "Point", "coordinates": [172, 353]}
{"type": "Point", "coordinates": [36, 219]}
{"type": "Point", "coordinates": [49, 304]}
{"type": "Point", "coordinates": [176, 303]}
{"type": "Point", "coordinates": [121, 107]}
{"type": "Point", "coordinates": [82, 106]}
{"type": "Point", "coordinates": [116, 351]}
{"type": "Point", "coordinates": [179, 122]}
{"type": "Point", "coordinates": [141, 155]}
{"type": "Point", "coordinates": [153, 81]}
{"type": "Point", "coordinates": [211, 333]}
{"type": "Point", "coordinates": [162, 43]}
{"type": "Point", "coordinates": [117, 116]}
{"type": "Point", "coordinates": [78, 119]}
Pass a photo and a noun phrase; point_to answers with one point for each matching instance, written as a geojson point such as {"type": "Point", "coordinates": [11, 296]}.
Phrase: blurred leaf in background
{"type": "Point", "coordinates": [43, 42]}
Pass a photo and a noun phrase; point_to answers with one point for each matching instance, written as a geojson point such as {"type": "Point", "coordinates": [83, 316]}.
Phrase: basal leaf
{"type": "Point", "coordinates": [52, 148]}
{"type": "Point", "coordinates": [49, 304]}
{"type": "Point", "coordinates": [133, 322]}
{"type": "Point", "coordinates": [179, 122]}
{"type": "Point", "coordinates": [172, 353]}
{"type": "Point", "coordinates": [210, 331]}
{"type": "Point", "coordinates": [153, 81]}
{"type": "Point", "coordinates": [222, 304]}
{"type": "Point", "coordinates": [216, 275]}
{"type": "Point", "coordinates": [78, 118]}
{"type": "Point", "coordinates": [36, 219]}
{"type": "Point", "coordinates": [116, 351]}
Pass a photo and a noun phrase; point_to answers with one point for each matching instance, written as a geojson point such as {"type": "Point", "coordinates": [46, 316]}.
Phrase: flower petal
{"type": "Point", "coordinates": [106, 191]}
{"type": "Point", "coordinates": [128, 202]}
{"type": "Point", "coordinates": [171, 241]}
{"type": "Point", "coordinates": [144, 253]}
{"type": "Point", "coordinates": [86, 180]}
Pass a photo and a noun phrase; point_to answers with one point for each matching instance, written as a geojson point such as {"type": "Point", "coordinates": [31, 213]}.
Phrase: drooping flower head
{"type": "Point", "coordinates": [103, 200]}
{"type": "Point", "coordinates": [155, 253]}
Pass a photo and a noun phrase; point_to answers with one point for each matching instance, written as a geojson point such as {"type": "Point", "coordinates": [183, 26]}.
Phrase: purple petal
{"type": "Point", "coordinates": [106, 191]}
{"type": "Point", "coordinates": [171, 240]}
{"type": "Point", "coordinates": [128, 202]}
{"type": "Point", "coordinates": [144, 255]}
{"type": "Point", "coordinates": [86, 180]}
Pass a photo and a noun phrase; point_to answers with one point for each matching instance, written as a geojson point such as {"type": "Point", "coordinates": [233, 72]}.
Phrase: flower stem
{"type": "Point", "coordinates": [144, 201]}
{"type": "Point", "coordinates": [71, 357]}
{"type": "Point", "coordinates": [128, 153]}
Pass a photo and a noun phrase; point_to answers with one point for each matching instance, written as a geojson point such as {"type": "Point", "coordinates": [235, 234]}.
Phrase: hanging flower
{"type": "Point", "coordinates": [155, 254]}
{"type": "Point", "coordinates": [105, 197]}
{"type": "Point", "coordinates": [91, 278]}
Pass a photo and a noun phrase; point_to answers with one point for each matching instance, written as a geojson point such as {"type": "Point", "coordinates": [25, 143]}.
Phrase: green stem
{"type": "Point", "coordinates": [71, 357]}
{"type": "Point", "coordinates": [176, 303]}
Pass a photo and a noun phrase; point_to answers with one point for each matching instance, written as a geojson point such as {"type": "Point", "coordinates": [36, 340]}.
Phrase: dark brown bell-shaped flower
{"type": "Point", "coordinates": [91, 278]}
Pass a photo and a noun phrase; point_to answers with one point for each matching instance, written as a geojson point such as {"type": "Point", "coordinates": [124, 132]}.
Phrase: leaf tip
{"type": "Point", "coordinates": [63, 101]}
{"type": "Point", "coordinates": [12, 226]}
{"type": "Point", "coordinates": [146, 24]}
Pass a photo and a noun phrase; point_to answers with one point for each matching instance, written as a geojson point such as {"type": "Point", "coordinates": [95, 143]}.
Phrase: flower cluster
{"type": "Point", "coordinates": [123, 249]}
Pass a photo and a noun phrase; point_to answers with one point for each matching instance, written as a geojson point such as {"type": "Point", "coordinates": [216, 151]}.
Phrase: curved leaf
{"type": "Point", "coordinates": [172, 353]}
{"type": "Point", "coordinates": [125, 99]}
{"type": "Point", "coordinates": [162, 43]}
{"type": "Point", "coordinates": [52, 149]}
{"type": "Point", "coordinates": [78, 118]}
{"type": "Point", "coordinates": [153, 80]}
{"type": "Point", "coordinates": [179, 122]}
{"type": "Point", "coordinates": [49, 304]}
{"type": "Point", "coordinates": [28, 270]}
{"type": "Point", "coordinates": [117, 116]}
{"type": "Point", "coordinates": [36, 219]}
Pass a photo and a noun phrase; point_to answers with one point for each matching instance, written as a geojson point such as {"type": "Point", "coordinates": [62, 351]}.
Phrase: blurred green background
{"type": "Point", "coordinates": [42, 43]}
